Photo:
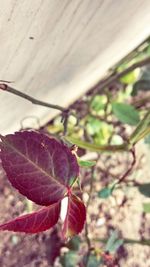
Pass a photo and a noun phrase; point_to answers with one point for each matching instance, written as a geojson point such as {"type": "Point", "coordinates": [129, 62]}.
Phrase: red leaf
{"type": "Point", "coordinates": [75, 217]}
{"type": "Point", "coordinates": [38, 166]}
{"type": "Point", "coordinates": [35, 222]}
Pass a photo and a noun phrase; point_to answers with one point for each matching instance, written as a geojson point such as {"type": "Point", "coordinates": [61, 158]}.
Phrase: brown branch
{"type": "Point", "coordinates": [65, 112]}
{"type": "Point", "coordinates": [122, 178]}
{"type": "Point", "coordinates": [114, 77]}
{"type": "Point", "coordinates": [11, 90]}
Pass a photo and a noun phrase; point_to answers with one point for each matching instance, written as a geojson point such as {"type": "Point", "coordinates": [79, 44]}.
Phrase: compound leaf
{"type": "Point", "coordinates": [38, 166]}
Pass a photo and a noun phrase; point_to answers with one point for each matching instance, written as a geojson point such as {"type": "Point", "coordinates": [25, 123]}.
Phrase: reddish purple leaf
{"type": "Point", "coordinates": [35, 222]}
{"type": "Point", "coordinates": [38, 166]}
{"type": "Point", "coordinates": [75, 217]}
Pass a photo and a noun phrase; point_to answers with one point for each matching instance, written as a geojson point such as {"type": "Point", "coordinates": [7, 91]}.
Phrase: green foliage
{"type": "Point", "coordinates": [93, 261]}
{"type": "Point", "coordinates": [126, 113]}
{"type": "Point", "coordinates": [99, 130]}
{"type": "Point", "coordinates": [144, 189]}
{"type": "Point", "coordinates": [129, 78]}
{"type": "Point", "coordinates": [113, 242]}
{"type": "Point", "coordinates": [74, 243]}
{"type": "Point", "coordinates": [147, 139]}
{"type": "Point", "coordinates": [142, 129]}
{"type": "Point", "coordinates": [86, 163]}
{"type": "Point", "coordinates": [106, 192]}
{"type": "Point", "coordinates": [93, 126]}
{"type": "Point", "coordinates": [69, 259]}
{"type": "Point", "coordinates": [98, 103]}
{"type": "Point", "coordinates": [146, 207]}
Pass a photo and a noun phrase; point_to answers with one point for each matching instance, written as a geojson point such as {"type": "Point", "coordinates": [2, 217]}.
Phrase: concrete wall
{"type": "Point", "coordinates": [55, 50]}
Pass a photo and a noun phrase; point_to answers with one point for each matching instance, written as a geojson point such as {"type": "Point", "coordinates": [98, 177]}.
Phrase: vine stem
{"type": "Point", "coordinates": [114, 77]}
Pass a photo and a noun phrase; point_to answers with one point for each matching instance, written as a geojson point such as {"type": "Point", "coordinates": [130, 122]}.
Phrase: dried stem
{"type": "Point", "coordinates": [11, 90]}
{"type": "Point", "coordinates": [65, 112]}
{"type": "Point", "coordinates": [122, 178]}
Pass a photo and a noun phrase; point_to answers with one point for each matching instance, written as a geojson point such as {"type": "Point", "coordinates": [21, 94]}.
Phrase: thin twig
{"type": "Point", "coordinates": [12, 90]}
{"type": "Point", "coordinates": [114, 77]}
{"type": "Point", "coordinates": [65, 111]}
{"type": "Point", "coordinates": [88, 241]}
{"type": "Point", "coordinates": [122, 178]}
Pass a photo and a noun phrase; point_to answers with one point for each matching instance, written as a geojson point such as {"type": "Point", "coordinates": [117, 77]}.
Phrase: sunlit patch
{"type": "Point", "coordinates": [64, 207]}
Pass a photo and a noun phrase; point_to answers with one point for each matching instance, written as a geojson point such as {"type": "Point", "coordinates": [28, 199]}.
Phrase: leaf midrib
{"type": "Point", "coordinates": [30, 161]}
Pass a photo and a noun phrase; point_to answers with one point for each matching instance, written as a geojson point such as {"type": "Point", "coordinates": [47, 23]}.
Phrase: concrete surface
{"type": "Point", "coordinates": [55, 50]}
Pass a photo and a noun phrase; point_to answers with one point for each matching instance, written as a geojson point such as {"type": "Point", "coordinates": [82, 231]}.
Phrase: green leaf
{"type": "Point", "coordinates": [86, 163]}
{"type": "Point", "coordinates": [113, 242]}
{"type": "Point", "coordinates": [103, 135]}
{"type": "Point", "coordinates": [69, 259]}
{"type": "Point", "coordinates": [99, 102]}
{"type": "Point", "coordinates": [126, 113]}
{"type": "Point", "coordinates": [144, 189]}
{"type": "Point", "coordinates": [99, 130]}
{"type": "Point", "coordinates": [74, 243]}
{"type": "Point", "coordinates": [105, 192]}
{"type": "Point", "coordinates": [146, 207]}
{"type": "Point", "coordinates": [129, 78]}
{"type": "Point", "coordinates": [93, 126]}
{"type": "Point", "coordinates": [93, 261]}
{"type": "Point", "coordinates": [116, 245]}
{"type": "Point", "coordinates": [147, 140]}
{"type": "Point", "coordinates": [142, 129]}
